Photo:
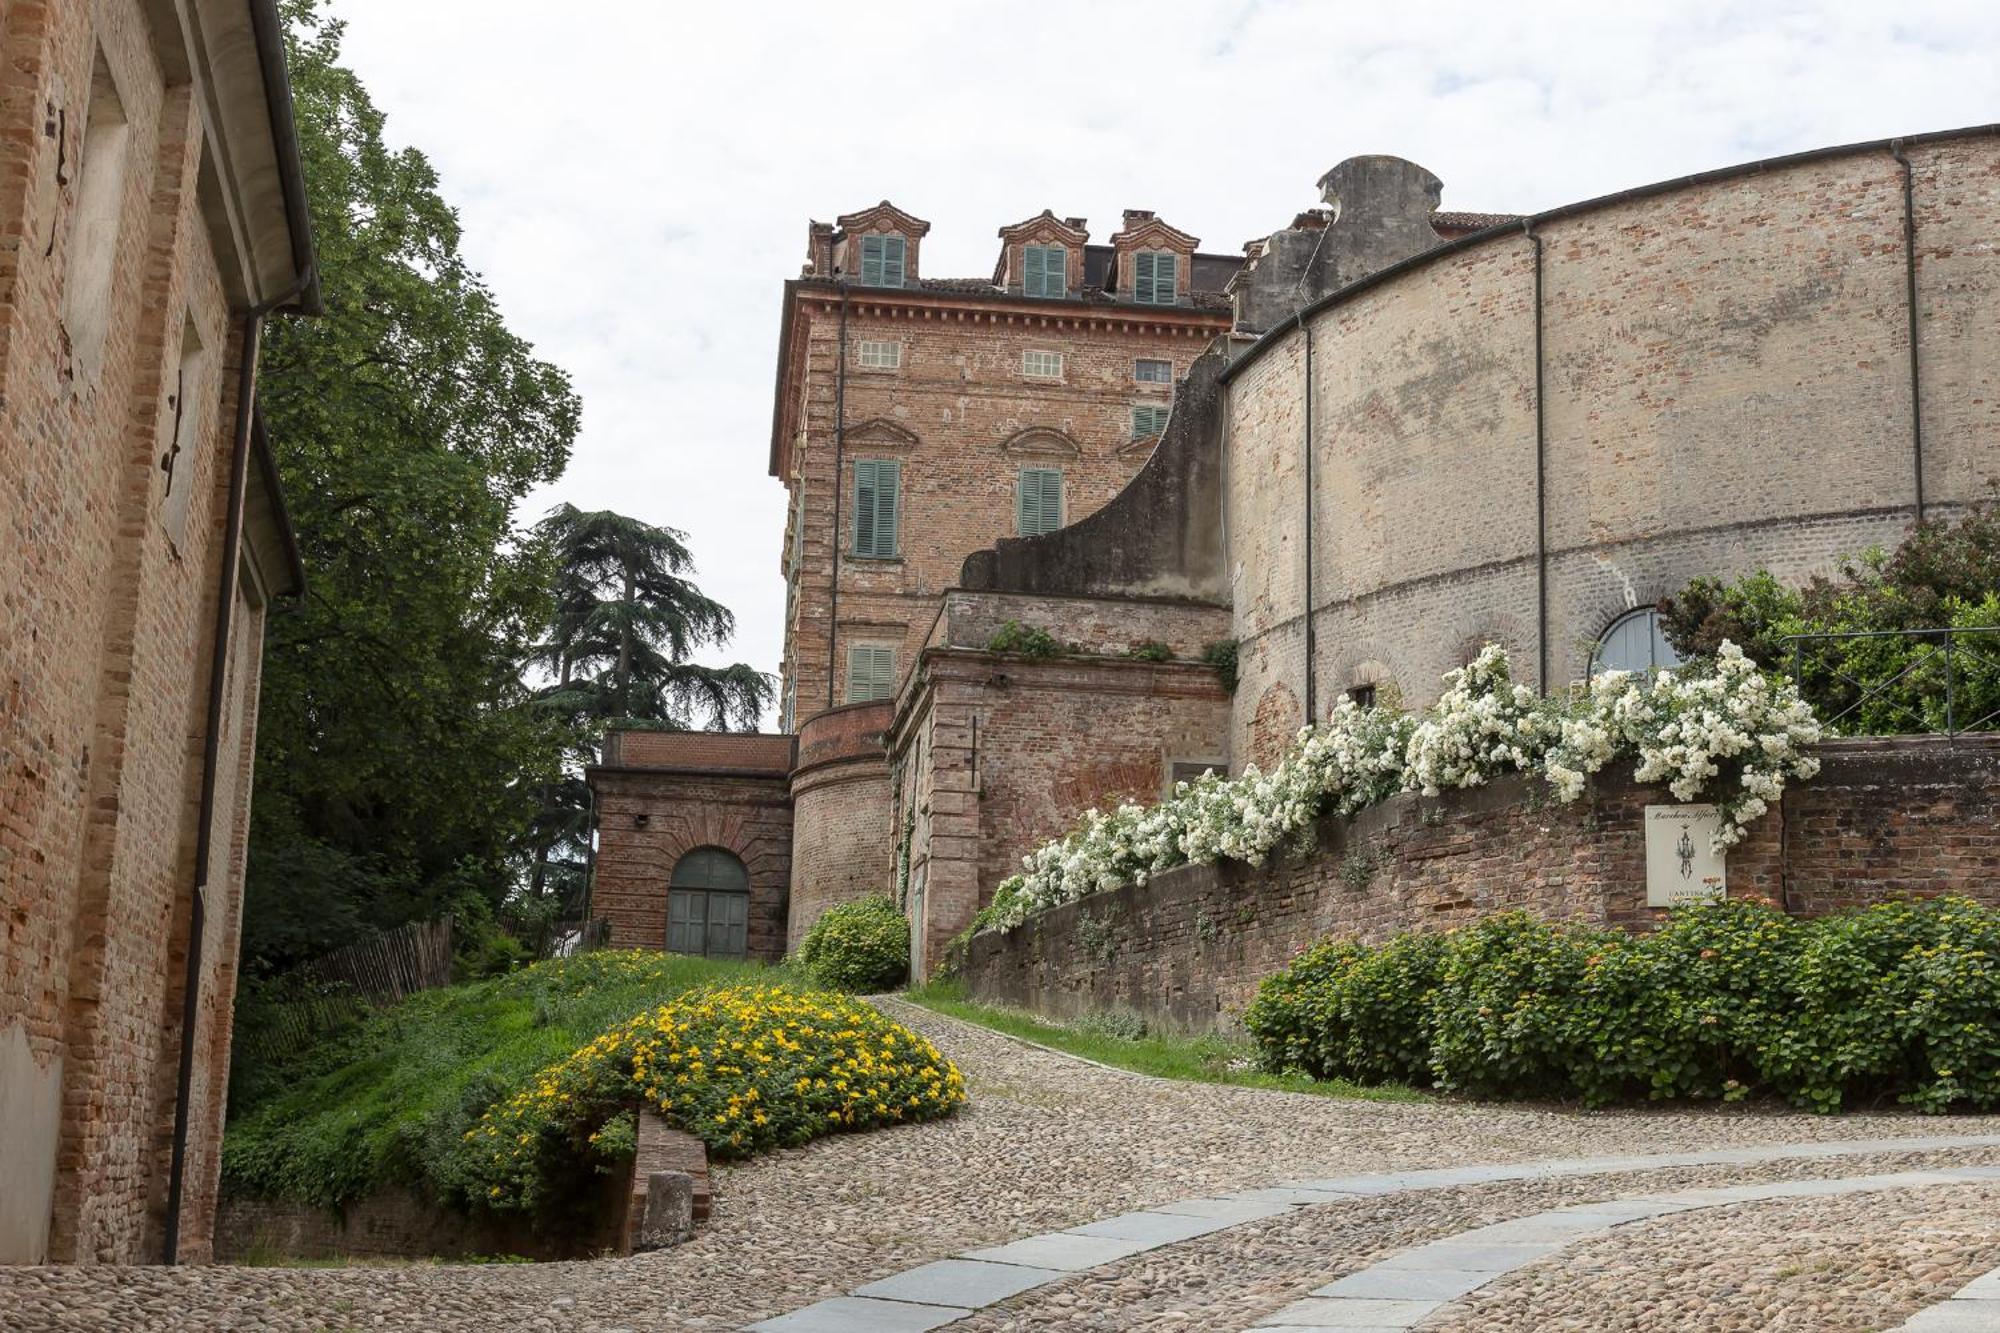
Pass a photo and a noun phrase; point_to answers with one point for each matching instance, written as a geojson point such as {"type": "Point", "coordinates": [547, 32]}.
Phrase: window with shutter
{"type": "Point", "coordinates": [1038, 501]}
{"type": "Point", "coordinates": [1045, 270]}
{"type": "Point", "coordinates": [1153, 277]}
{"type": "Point", "coordinates": [877, 497]}
{"type": "Point", "coordinates": [1148, 419]}
{"type": "Point", "coordinates": [871, 672]}
{"type": "Point", "coordinates": [881, 261]}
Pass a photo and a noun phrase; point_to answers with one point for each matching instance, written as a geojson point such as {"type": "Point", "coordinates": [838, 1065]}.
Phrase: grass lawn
{"type": "Point", "coordinates": [389, 1100]}
{"type": "Point", "coordinates": [1208, 1059]}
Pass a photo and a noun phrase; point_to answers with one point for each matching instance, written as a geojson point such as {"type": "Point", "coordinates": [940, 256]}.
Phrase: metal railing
{"type": "Point", "coordinates": [1901, 682]}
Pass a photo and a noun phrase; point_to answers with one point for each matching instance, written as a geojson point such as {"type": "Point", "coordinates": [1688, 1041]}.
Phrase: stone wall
{"type": "Point", "coordinates": [1884, 818]}
{"type": "Point", "coordinates": [120, 354]}
{"type": "Point", "coordinates": [1724, 385]}
{"type": "Point", "coordinates": [844, 837]}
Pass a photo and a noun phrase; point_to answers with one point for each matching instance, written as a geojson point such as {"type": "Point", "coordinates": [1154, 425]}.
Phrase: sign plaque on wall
{"type": "Point", "coordinates": [1682, 865]}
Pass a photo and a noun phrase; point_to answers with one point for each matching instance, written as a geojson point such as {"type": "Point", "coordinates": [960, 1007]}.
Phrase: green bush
{"type": "Point", "coordinates": [1899, 1000]}
{"type": "Point", "coordinates": [1025, 641]}
{"type": "Point", "coordinates": [859, 946]}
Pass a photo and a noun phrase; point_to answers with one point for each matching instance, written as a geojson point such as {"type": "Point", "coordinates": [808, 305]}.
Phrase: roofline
{"type": "Point", "coordinates": [267, 468]}
{"type": "Point", "coordinates": [270, 32]}
{"type": "Point", "coordinates": [1528, 222]}
{"type": "Point", "coordinates": [778, 384]}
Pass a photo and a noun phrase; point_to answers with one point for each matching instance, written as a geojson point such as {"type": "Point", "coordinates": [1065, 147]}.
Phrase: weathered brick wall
{"type": "Point", "coordinates": [1108, 626]}
{"type": "Point", "coordinates": [104, 657]}
{"type": "Point", "coordinates": [647, 819]}
{"type": "Point", "coordinates": [1887, 817]}
{"type": "Point", "coordinates": [1727, 386]}
{"type": "Point", "coordinates": [844, 837]}
{"type": "Point", "coordinates": [964, 419]}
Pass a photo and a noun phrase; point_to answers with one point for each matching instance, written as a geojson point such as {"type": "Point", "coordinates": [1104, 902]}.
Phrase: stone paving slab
{"type": "Point", "coordinates": [1408, 1284]}
{"type": "Point", "coordinates": [1973, 1308]}
{"type": "Point", "coordinates": [1466, 1257]}
{"type": "Point", "coordinates": [1154, 1228]}
{"type": "Point", "coordinates": [1061, 1249]}
{"type": "Point", "coordinates": [858, 1314]}
{"type": "Point", "coordinates": [1237, 1210]}
{"type": "Point", "coordinates": [970, 1283]}
{"type": "Point", "coordinates": [1350, 1314]}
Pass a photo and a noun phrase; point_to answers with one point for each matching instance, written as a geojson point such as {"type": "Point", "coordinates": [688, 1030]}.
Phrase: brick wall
{"type": "Point", "coordinates": [844, 835]}
{"type": "Point", "coordinates": [647, 819]}
{"type": "Point", "coordinates": [1727, 386]}
{"type": "Point", "coordinates": [1885, 817]}
{"type": "Point", "coordinates": [105, 619]}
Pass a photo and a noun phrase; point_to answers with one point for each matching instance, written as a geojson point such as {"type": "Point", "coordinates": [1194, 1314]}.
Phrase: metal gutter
{"type": "Point", "coordinates": [839, 485]}
{"type": "Point", "coordinates": [270, 32]}
{"type": "Point", "coordinates": [1263, 345]}
{"type": "Point", "coordinates": [1910, 280]}
{"type": "Point", "coordinates": [1541, 480]}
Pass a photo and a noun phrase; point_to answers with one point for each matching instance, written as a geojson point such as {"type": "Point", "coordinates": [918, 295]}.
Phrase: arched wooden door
{"type": "Point", "coordinates": [708, 905]}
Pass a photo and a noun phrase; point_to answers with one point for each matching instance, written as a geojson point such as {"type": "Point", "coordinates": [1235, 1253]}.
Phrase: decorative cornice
{"type": "Point", "coordinates": [1152, 230]}
{"type": "Point", "coordinates": [1044, 223]}
{"type": "Point", "coordinates": [1041, 440]}
{"type": "Point", "coordinates": [882, 432]}
{"type": "Point", "coordinates": [884, 212]}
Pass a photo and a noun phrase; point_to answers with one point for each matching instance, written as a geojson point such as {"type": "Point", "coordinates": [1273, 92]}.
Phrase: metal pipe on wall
{"type": "Point", "coordinates": [1910, 297]}
{"type": "Point", "coordinates": [1312, 648]}
{"type": "Point", "coordinates": [1541, 482]}
{"type": "Point", "coordinates": [839, 463]}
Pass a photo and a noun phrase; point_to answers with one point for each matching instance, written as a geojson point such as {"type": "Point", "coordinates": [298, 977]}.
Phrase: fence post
{"type": "Point", "coordinates": [1950, 711]}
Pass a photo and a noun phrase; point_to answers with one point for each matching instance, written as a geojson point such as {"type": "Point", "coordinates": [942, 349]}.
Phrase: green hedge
{"type": "Point", "coordinates": [859, 946]}
{"type": "Point", "coordinates": [1726, 999]}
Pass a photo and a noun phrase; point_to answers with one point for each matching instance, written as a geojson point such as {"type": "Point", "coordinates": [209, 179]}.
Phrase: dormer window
{"type": "Point", "coordinates": [1153, 277]}
{"type": "Point", "coordinates": [882, 261]}
{"type": "Point", "coordinates": [1045, 270]}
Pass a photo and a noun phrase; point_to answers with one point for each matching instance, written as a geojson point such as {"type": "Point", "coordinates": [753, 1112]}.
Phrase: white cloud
{"type": "Point", "coordinates": [635, 178]}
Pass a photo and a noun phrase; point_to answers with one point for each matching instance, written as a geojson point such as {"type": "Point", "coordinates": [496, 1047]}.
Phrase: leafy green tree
{"type": "Point", "coordinates": [399, 754]}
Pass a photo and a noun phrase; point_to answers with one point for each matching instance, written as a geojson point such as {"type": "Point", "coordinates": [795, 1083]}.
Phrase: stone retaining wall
{"type": "Point", "coordinates": [1907, 815]}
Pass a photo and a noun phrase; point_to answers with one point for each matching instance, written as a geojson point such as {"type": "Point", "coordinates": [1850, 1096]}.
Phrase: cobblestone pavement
{"type": "Point", "coordinates": [1049, 1143]}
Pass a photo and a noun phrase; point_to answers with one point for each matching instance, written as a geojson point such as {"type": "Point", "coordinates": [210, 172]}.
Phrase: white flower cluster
{"type": "Point", "coordinates": [1723, 730]}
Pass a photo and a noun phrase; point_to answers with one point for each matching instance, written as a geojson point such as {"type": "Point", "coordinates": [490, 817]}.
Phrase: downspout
{"type": "Point", "coordinates": [839, 466]}
{"type": "Point", "coordinates": [1541, 482]}
{"type": "Point", "coordinates": [1910, 295]}
{"type": "Point", "coordinates": [211, 745]}
{"type": "Point", "coordinates": [1312, 670]}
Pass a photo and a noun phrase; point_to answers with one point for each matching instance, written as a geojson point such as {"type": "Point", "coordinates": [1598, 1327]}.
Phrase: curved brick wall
{"type": "Point", "coordinates": [1727, 385]}
{"type": "Point", "coordinates": [843, 842]}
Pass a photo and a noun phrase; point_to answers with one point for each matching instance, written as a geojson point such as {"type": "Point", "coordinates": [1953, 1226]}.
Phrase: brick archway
{"type": "Point", "coordinates": [1274, 724]}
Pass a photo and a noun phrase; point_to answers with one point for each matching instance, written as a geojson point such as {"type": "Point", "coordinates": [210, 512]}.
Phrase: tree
{"type": "Point", "coordinates": [400, 754]}
{"type": "Point", "coordinates": [627, 617]}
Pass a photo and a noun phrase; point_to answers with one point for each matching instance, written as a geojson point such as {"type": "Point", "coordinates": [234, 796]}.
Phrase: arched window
{"type": "Point", "coordinates": [1634, 642]}
{"type": "Point", "coordinates": [708, 905]}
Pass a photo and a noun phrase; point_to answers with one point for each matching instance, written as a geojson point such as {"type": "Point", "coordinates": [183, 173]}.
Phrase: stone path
{"type": "Point", "coordinates": [1048, 1145]}
{"type": "Point", "coordinates": [1974, 1306]}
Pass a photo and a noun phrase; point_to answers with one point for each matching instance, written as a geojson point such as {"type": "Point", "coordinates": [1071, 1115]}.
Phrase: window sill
{"type": "Point", "coordinates": [872, 559]}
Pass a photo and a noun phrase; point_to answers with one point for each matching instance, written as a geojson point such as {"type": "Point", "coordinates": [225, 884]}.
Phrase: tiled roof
{"type": "Point", "coordinates": [1465, 223]}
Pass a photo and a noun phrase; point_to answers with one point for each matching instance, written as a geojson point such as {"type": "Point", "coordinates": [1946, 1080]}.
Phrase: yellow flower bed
{"type": "Point", "coordinates": [746, 1069]}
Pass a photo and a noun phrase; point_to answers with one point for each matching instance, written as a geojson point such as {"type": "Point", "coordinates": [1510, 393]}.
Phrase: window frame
{"type": "Point", "coordinates": [1027, 367]}
{"type": "Point", "coordinates": [881, 242]}
{"type": "Point", "coordinates": [1042, 474]}
{"type": "Point", "coordinates": [1140, 377]}
{"type": "Point", "coordinates": [1060, 276]}
{"type": "Point", "coordinates": [876, 469]}
{"type": "Point", "coordinates": [1146, 286]}
{"type": "Point", "coordinates": [875, 348]}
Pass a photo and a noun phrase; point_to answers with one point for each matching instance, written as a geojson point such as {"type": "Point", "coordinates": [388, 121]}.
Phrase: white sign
{"type": "Point", "coordinates": [1682, 865]}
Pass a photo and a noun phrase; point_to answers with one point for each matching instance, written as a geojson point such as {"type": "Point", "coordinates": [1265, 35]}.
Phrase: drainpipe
{"type": "Point", "coordinates": [211, 745]}
{"type": "Point", "coordinates": [839, 452]}
{"type": "Point", "coordinates": [1910, 295]}
{"type": "Point", "coordinates": [1541, 482]}
{"type": "Point", "coordinates": [1312, 670]}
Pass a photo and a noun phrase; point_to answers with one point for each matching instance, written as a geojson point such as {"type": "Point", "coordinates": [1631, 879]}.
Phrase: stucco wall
{"type": "Point", "coordinates": [1885, 817]}
{"type": "Point", "coordinates": [1726, 386]}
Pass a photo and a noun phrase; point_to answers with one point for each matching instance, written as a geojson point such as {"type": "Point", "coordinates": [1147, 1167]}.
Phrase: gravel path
{"type": "Point", "coordinates": [1047, 1142]}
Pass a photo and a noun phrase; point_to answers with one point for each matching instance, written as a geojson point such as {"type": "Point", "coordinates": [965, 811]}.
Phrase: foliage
{"type": "Point", "coordinates": [1222, 656]}
{"type": "Point", "coordinates": [1025, 641]}
{"type": "Point", "coordinates": [1718, 730]}
{"type": "Point", "coordinates": [1725, 1000]}
{"type": "Point", "coordinates": [859, 946]}
{"type": "Point", "coordinates": [1124, 1041]}
{"type": "Point", "coordinates": [1151, 650]}
{"type": "Point", "coordinates": [746, 1069]}
{"type": "Point", "coordinates": [1943, 575]}
{"type": "Point", "coordinates": [387, 1101]}
{"type": "Point", "coordinates": [395, 760]}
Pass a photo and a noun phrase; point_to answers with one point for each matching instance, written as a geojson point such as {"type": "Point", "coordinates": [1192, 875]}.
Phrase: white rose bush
{"type": "Point", "coordinates": [1717, 729]}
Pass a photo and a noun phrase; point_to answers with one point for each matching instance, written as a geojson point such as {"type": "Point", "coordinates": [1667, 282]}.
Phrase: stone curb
{"type": "Point", "coordinates": [1973, 1308]}
{"type": "Point", "coordinates": [935, 1294]}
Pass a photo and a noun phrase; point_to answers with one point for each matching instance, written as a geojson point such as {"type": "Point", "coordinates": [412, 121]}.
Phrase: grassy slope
{"type": "Point", "coordinates": [1209, 1059]}
{"type": "Point", "coordinates": [386, 1101]}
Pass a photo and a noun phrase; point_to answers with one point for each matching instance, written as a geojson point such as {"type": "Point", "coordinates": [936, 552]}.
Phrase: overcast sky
{"type": "Point", "coordinates": [635, 177]}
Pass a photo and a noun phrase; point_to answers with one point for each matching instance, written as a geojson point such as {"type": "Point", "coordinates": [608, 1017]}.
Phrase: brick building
{"type": "Point", "coordinates": [1395, 434]}
{"type": "Point", "coordinates": [152, 214]}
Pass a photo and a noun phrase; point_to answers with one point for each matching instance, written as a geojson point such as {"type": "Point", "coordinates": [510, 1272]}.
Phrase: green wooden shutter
{"type": "Point", "coordinates": [877, 499]}
{"type": "Point", "coordinates": [1031, 270]}
{"type": "Point", "coordinates": [1045, 271]}
{"type": "Point", "coordinates": [1038, 501]}
{"type": "Point", "coordinates": [881, 261]}
{"type": "Point", "coordinates": [1164, 265]}
{"type": "Point", "coordinates": [871, 261]}
{"type": "Point", "coordinates": [871, 673]}
{"type": "Point", "coordinates": [1153, 277]}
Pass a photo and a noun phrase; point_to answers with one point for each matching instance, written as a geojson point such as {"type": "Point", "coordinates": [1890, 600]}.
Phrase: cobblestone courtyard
{"type": "Point", "coordinates": [1049, 1143]}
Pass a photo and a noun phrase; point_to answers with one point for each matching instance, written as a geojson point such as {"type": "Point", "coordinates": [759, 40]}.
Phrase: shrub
{"type": "Point", "coordinates": [1151, 650]}
{"type": "Point", "coordinates": [1222, 655]}
{"type": "Point", "coordinates": [859, 946]}
{"type": "Point", "coordinates": [746, 1069]}
{"type": "Point", "coordinates": [1025, 641]}
{"type": "Point", "coordinates": [1897, 1000]}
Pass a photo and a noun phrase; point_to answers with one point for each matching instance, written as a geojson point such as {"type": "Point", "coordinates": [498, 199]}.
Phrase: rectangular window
{"type": "Point", "coordinates": [880, 355]}
{"type": "Point", "coordinates": [93, 236]}
{"type": "Point", "coordinates": [871, 672]}
{"type": "Point", "coordinates": [881, 261]}
{"type": "Point", "coordinates": [1153, 277]}
{"type": "Point", "coordinates": [877, 496]}
{"type": "Point", "coordinates": [1042, 365]}
{"type": "Point", "coordinates": [184, 414]}
{"type": "Point", "coordinates": [1148, 419]}
{"type": "Point", "coordinates": [1038, 501]}
{"type": "Point", "coordinates": [1045, 270]}
{"type": "Point", "coordinates": [1153, 372]}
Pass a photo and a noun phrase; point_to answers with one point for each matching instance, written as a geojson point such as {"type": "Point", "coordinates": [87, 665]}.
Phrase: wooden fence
{"type": "Point", "coordinates": [316, 997]}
